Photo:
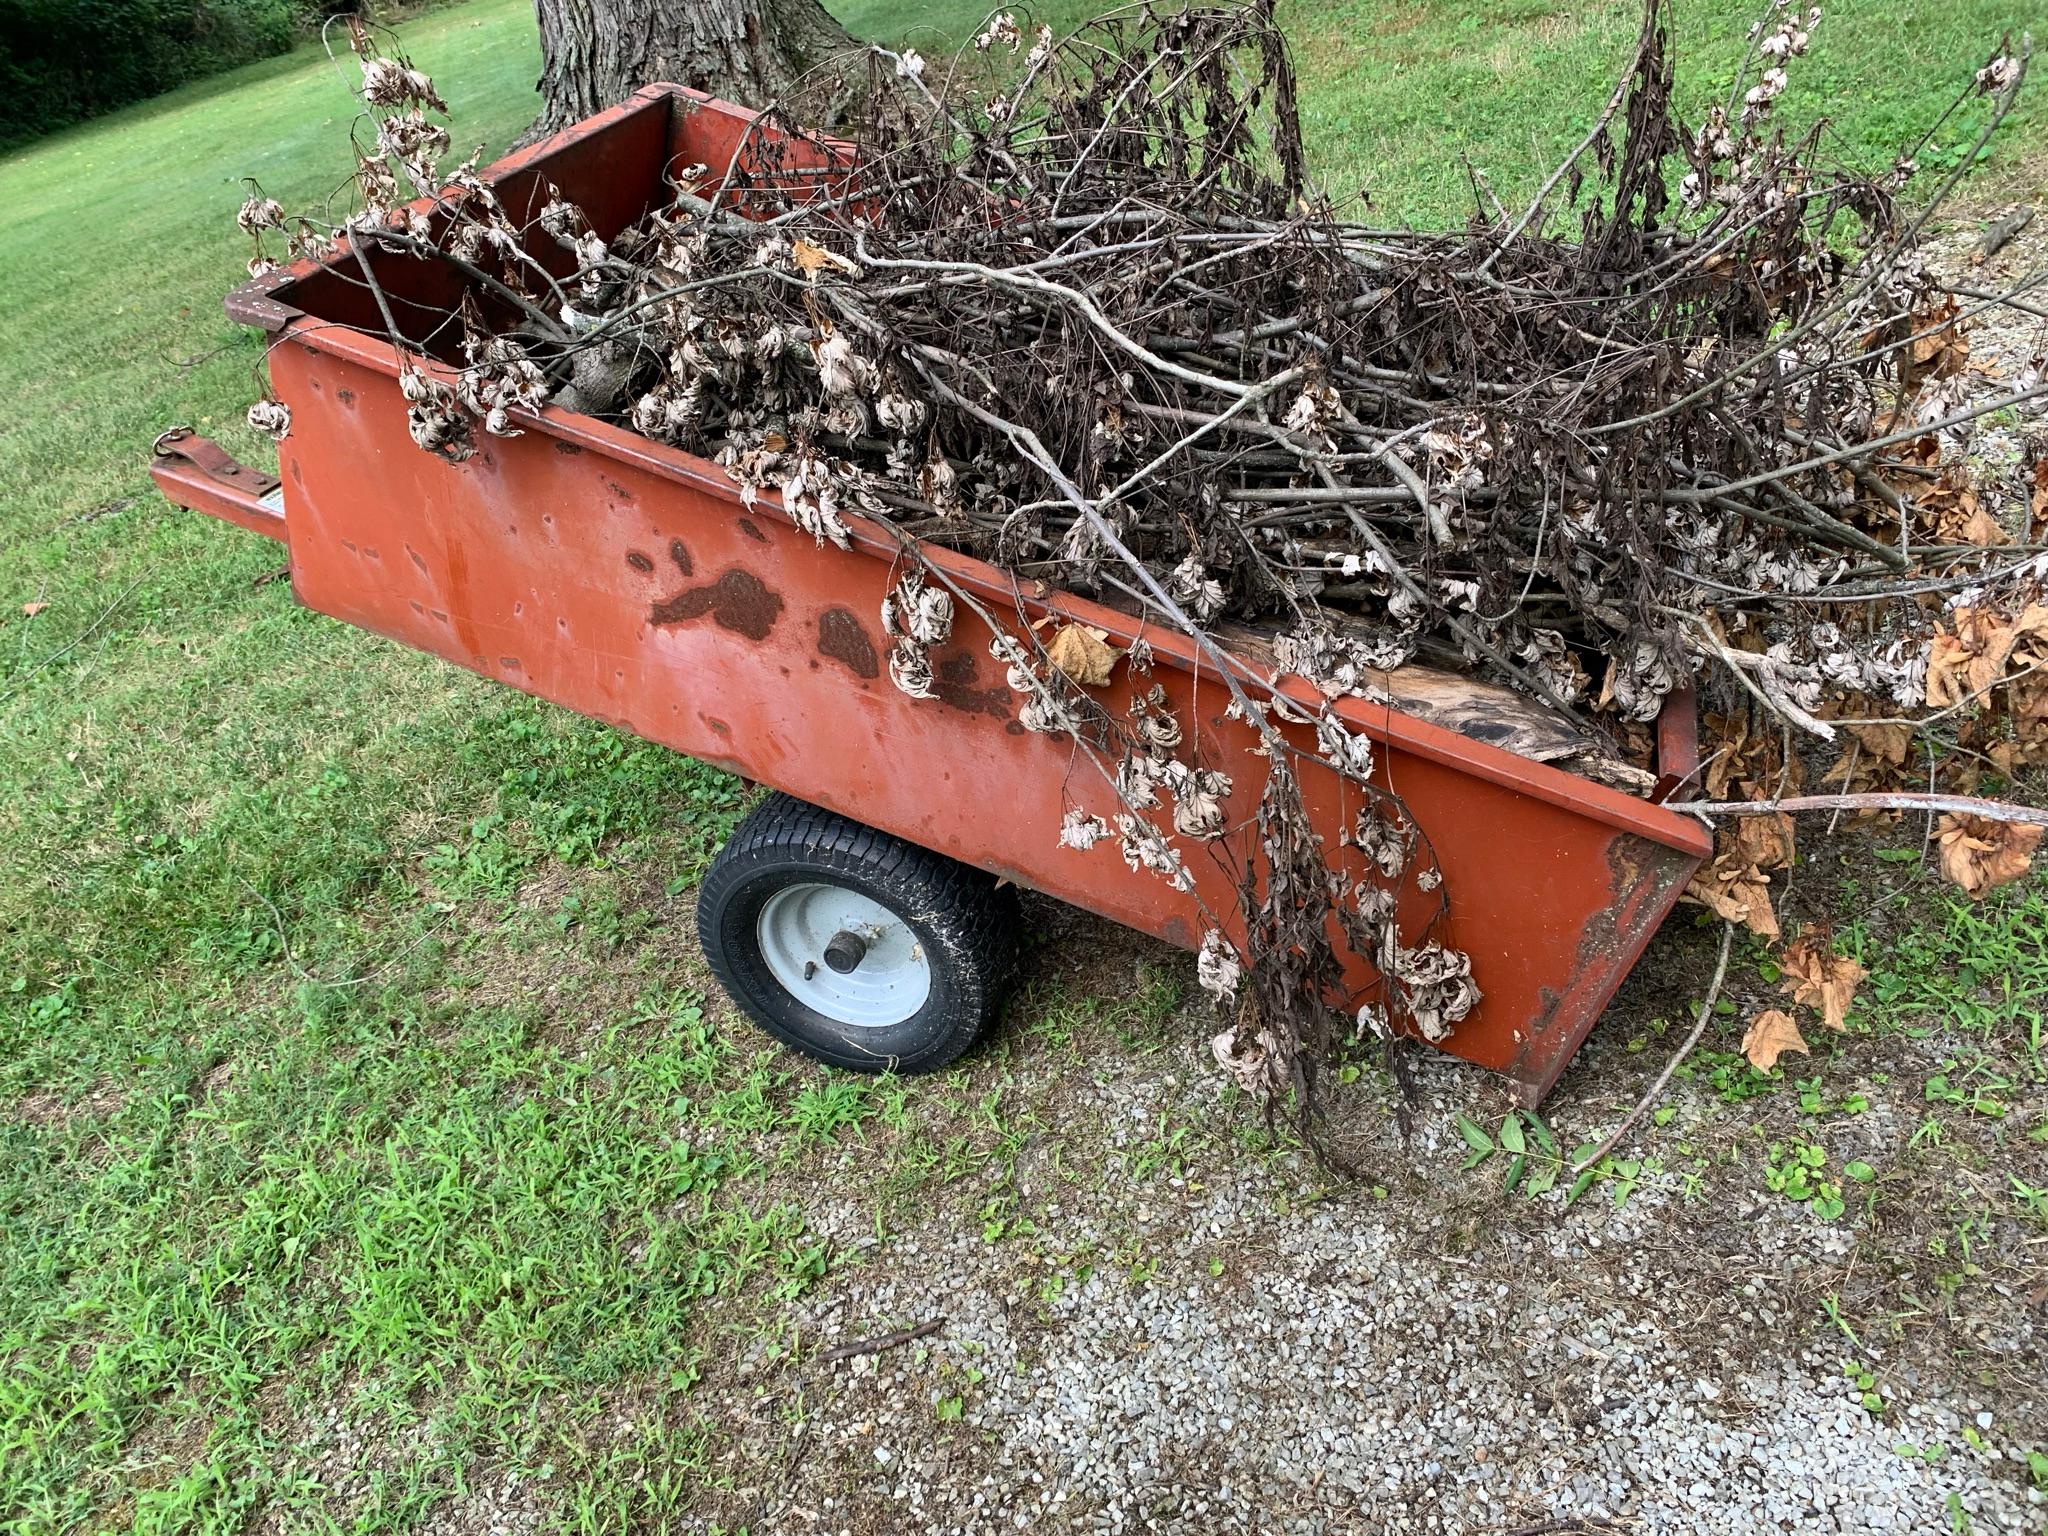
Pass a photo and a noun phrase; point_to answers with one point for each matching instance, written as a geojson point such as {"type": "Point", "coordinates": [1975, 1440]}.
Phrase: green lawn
{"type": "Point", "coordinates": [1400, 95]}
{"type": "Point", "coordinates": [350, 1042]}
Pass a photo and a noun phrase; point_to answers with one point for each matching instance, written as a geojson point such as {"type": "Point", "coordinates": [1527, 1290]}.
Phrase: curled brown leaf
{"type": "Point", "coordinates": [1734, 888]}
{"type": "Point", "coordinates": [1820, 980]}
{"type": "Point", "coordinates": [1980, 854]}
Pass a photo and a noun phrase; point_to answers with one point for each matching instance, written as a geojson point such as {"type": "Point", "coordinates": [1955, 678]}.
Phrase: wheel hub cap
{"type": "Point", "coordinates": [843, 955]}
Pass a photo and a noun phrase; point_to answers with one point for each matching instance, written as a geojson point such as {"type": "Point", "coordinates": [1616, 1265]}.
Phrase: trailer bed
{"type": "Point", "coordinates": [629, 581]}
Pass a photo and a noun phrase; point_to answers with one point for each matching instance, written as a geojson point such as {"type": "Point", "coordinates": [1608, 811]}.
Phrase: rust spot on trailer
{"type": "Point", "coordinates": [563, 445]}
{"type": "Point", "coordinates": [509, 663]}
{"type": "Point", "coordinates": [955, 683]}
{"type": "Point", "coordinates": [747, 527]}
{"type": "Point", "coordinates": [618, 490]}
{"type": "Point", "coordinates": [1606, 932]}
{"type": "Point", "coordinates": [841, 636]}
{"type": "Point", "coordinates": [716, 724]}
{"type": "Point", "coordinates": [414, 555]}
{"type": "Point", "coordinates": [737, 601]}
{"type": "Point", "coordinates": [681, 555]}
{"type": "Point", "coordinates": [1640, 874]}
{"type": "Point", "coordinates": [639, 562]}
{"type": "Point", "coordinates": [345, 396]}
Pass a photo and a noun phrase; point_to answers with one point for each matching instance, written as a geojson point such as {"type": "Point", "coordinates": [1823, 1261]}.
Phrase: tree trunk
{"type": "Point", "coordinates": [596, 53]}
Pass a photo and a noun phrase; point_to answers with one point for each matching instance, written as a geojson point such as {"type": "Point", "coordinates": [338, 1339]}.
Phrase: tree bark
{"type": "Point", "coordinates": [596, 53]}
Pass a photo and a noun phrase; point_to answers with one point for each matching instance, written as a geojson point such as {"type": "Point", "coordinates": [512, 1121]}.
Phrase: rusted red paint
{"type": "Point", "coordinates": [1555, 883]}
{"type": "Point", "coordinates": [1645, 879]}
{"type": "Point", "coordinates": [956, 681]}
{"type": "Point", "coordinates": [1678, 744]}
{"type": "Point", "coordinates": [739, 601]}
{"type": "Point", "coordinates": [842, 637]}
{"type": "Point", "coordinates": [196, 472]}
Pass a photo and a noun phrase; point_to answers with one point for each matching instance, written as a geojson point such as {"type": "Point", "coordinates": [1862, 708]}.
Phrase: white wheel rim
{"type": "Point", "coordinates": [889, 983]}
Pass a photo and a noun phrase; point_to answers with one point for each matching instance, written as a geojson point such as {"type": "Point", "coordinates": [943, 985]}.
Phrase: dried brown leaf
{"type": "Point", "coordinates": [1730, 731]}
{"type": "Point", "coordinates": [1744, 763]}
{"type": "Point", "coordinates": [1083, 653]}
{"type": "Point", "coordinates": [812, 259]}
{"type": "Point", "coordinates": [1821, 980]}
{"type": "Point", "coordinates": [2030, 708]}
{"type": "Point", "coordinates": [1772, 1033]}
{"type": "Point", "coordinates": [1736, 890]}
{"type": "Point", "coordinates": [2030, 631]}
{"type": "Point", "coordinates": [1765, 842]}
{"type": "Point", "coordinates": [1945, 350]}
{"type": "Point", "coordinates": [1874, 756]}
{"type": "Point", "coordinates": [1969, 656]}
{"type": "Point", "coordinates": [1980, 854]}
{"type": "Point", "coordinates": [1887, 743]}
{"type": "Point", "coordinates": [1980, 527]}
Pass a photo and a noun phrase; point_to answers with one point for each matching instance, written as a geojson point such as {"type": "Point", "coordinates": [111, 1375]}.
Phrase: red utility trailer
{"type": "Point", "coordinates": [862, 913]}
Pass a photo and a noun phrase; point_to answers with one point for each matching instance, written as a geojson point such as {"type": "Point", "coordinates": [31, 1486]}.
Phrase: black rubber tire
{"type": "Point", "coordinates": [966, 923]}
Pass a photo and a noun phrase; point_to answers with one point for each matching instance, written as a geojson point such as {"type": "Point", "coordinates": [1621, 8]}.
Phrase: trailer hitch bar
{"type": "Point", "coordinates": [198, 474]}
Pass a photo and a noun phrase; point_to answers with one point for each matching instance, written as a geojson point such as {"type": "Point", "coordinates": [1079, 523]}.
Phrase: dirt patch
{"type": "Point", "coordinates": [54, 1109]}
{"type": "Point", "coordinates": [2005, 343]}
{"type": "Point", "coordinates": [352, 1458]}
{"type": "Point", "coordinates": [556, 953]}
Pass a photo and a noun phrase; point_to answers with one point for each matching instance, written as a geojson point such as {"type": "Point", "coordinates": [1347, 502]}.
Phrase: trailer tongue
{"type": "Point", "coordinates": [864, 915]}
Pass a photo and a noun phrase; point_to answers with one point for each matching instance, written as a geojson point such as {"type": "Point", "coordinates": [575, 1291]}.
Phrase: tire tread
{"type": "Point", "coordinates": [969, 911]}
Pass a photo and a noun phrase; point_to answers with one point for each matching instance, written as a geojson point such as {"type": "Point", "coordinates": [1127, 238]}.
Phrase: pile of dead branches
{"type": "Point", "coordinates": [1698, 408]}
